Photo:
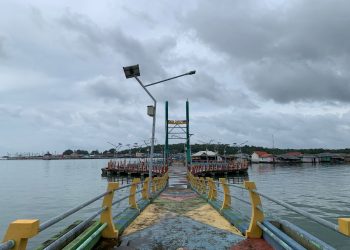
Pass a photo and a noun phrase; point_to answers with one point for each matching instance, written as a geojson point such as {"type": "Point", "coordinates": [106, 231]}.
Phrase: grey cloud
{"type": "Point", "coordinates": [296, 51]}
{"type": "Point", "coordinates": [2, 47]}
{"type": "Point", "coordinates": [134, 51]}
{"type": "Point", "coordinates": [289, 130]}
{"type": "Point", "coordinates": [298, 81]}
{"type": "Point", "coordinates": [205, 90]}
{"type": "Point", "coordinates": [60, 82]}
{"type": "Point", "coordinates": [106, 88]}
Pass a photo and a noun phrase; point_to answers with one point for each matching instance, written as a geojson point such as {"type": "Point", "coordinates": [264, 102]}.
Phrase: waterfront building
{"type": "Point", "coordinates": [309, 159]}
{"type": "Point", "coordinates": [139, 155]}
{"type": "Point", "coordinates": [262, 157]}
{"type": "Point", "coordinates": [204, 155]}
{"type": "Point", "coordinates": [288, 158]}
{"type": "Point", "coordinates": [330, 158]}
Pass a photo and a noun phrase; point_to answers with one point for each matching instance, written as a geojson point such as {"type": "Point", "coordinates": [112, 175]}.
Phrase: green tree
{"type": "Point", "coordinates": [68, 152]}
{"type": "Point", "coordinates": [82, 152]}
{"type": "Point", "coordinates": [95, 152]}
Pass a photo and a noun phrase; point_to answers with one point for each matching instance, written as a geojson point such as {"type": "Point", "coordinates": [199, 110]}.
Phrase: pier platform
{"type": "Point", "coordinates": [180, 219]}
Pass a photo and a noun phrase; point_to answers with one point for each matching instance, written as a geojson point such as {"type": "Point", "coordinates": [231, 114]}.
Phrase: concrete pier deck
{"type": "Point", "coordinates": [180, 219]}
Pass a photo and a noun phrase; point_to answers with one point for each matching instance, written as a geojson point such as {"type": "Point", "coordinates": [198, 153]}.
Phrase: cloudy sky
{"type": "Point", "coordinates": [264, 68]}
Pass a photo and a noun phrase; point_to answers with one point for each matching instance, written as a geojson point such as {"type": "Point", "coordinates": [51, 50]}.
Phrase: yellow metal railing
{"type": "Point", "coordinates": [208, 190]}
{"type": "Point", "coordinates": [20, 231]}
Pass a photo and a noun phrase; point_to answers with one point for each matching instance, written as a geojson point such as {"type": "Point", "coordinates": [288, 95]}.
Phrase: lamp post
{"type": "Point", "coordinates": [239, 148]}
{"type": "Point", "coordinates": [225, 145]}
{"type": "Point", "coordinates": [134, 72]}
{"type": "Point", "coordinates": [129, 146]}
{"type": "Point", "coordinates": [116, 148]}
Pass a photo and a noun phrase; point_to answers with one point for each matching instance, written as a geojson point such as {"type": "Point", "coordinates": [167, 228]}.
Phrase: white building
{"type": "Point", "coordinates": [262, 157]}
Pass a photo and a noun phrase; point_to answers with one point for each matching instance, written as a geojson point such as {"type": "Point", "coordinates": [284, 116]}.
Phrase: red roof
{"type": "Point", "coordinates": [263, 154]}
{"type": "Point", "coordinates": [294, 154]}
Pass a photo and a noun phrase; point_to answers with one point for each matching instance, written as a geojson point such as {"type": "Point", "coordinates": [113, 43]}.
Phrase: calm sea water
{"type": "Point", "coordinates": [42, 189]}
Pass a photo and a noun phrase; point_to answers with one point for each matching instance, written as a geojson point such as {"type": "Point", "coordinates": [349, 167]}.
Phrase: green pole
{"type": "Point", "coordinates": [166, 149]}
{"type": "Point", "coordinates": [188, 149]}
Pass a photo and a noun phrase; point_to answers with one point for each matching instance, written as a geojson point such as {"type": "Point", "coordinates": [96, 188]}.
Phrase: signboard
{"type": "Point", "coordinates": [177, 122]}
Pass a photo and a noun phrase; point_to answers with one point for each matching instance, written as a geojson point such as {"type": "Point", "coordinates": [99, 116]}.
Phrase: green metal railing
{"type": "Point", "coordinates": [20, 231]}
{"type": "Point", "coordinates": [208, 188]}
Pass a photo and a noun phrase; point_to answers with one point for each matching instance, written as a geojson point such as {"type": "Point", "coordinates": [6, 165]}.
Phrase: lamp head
{"type": "Point", "coordinates": [192, 72]}
{"type": "Point", "coordinates": [132, 71]}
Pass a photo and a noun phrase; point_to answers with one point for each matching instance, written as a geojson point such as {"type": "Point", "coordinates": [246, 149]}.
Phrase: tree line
{"type": "Point", "coordinates": [221, 149]}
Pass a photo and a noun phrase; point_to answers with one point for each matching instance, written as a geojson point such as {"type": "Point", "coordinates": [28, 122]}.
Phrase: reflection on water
{"type": "Point", "coordinates": [123, 180]}
{"type": "Point", "coordinates": [237, 179]}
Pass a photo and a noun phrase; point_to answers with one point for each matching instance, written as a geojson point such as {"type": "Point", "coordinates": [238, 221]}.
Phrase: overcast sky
{"type": "Point", "coordinates": [264, 68]}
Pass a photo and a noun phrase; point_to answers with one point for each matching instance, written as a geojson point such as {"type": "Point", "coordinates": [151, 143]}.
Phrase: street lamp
{"type": "Point", "coordinates": [134, 72]}
{"type": "Point", "coordinates": [116, 148]}
{"type": "Point", "coordinates": [239, 148]}
{"type": "Point", "coordinates": [129, 146]}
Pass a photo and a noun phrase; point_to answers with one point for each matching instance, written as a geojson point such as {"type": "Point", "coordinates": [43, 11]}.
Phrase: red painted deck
{"type": "Point", "coordinates": [252, 244]}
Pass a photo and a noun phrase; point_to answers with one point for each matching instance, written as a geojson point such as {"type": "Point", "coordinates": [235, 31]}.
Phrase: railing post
{"type": "Point", "coordinates": [254, 231]}
{"type": "Point", "coordinates": [153, 184]}
{"type": "Point", "coordinates": [197, 183]}
{"type": "Point", "coordinates": [159, 184]}
{"type": "Point", "coordinates": [133, 188]}
{"type": "Point", "coordinates": [164, 180]}
{"type": "Point", "coordinates": [106, 216]}
{"type": "Point", "coordinates": [20, 231]}
{"type": "Point", "coordinates": [212, 189]}
{"type": "Point", "coordinates": [145, 189]}
{"type": "Point", "coordinates": [344, 226]}
{"type": "Point", "coordinates": [226, 203]}
{"type": "Point", "coordinates": [203, 187]}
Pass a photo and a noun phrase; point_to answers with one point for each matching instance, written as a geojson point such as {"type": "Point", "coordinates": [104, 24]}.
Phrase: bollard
{"type": "Point", "coordinates": [106, 216]}
{"type": "Point", "coordinates": [20, 231]}
{"type": "Point", "coordinates": [226, 203]}
{"type": "Point", "coordinates": [344, 226]}
{"type": "Point", "coordinates": [254, 231]}
{"type": "Point", "coordinates": [132, 197]}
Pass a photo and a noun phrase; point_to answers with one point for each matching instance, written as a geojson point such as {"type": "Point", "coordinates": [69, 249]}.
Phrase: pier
{"type": "Point", "coordinates": [132, 169]}
{"type": "Point", "coordinates": [182, 210]}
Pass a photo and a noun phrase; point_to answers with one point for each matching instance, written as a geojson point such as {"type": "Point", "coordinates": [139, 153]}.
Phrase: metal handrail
{"type": "Point", "coordinates": [232, 185]}
{"type": "Point", "coordinates": [92, 237]}
{"type": "Point", "coordinates": [237, 198]}
{"type": "Point", "coordinates": [71, 234]}
{"type": "Point", "coordinates": [119, 200]}
{"type": "Point", "coordinates": [236, 186]}
{"type": "Point", "coordinates": [7, 245]}
{"type": "Point", "coordinates": [125, 186]}
{"type": "Point", "coordinates": [57, 244]}
{"type": "Point", "coordinates": [272, 235]}
{"type": "Point", "coordinates": [308, 215]}
{"type": "Point", "coordinates": [60, 217]}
